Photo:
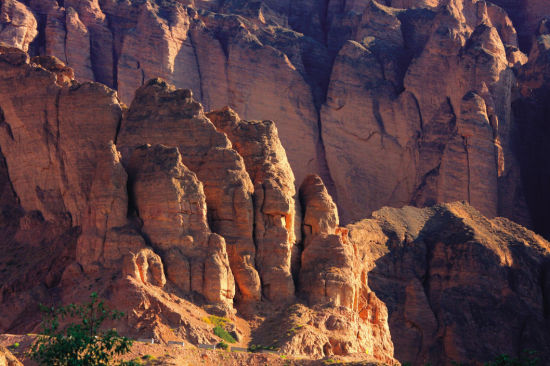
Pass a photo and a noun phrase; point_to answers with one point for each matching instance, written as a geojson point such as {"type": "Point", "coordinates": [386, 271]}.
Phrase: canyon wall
{"type": "Point", "coordinates": [390, 102]}
{"type": "Point", "coordinates": [115, 180]}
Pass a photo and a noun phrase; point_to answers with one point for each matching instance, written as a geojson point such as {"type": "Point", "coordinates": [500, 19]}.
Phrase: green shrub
{"type": "Point", "coordinates": [81, 343]}
{"type": "Point", "coordinates": [222, 345]}
{"type": "Point", "coordinates": [223, 334]}
{"type": "Point", "coordinates": [527, 358]}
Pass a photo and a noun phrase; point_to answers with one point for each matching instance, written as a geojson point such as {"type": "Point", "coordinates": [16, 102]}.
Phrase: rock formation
{"type": "Point", "coordinates": [7, 359]}
{"type": "Point", "coordinates": [457, 285]}
{"type": "Point", "coordinates": [170, 201]}
{"type": "Point", "coordinates": [531, 114]}
{"type": "Point", "coordinates": [160, 114]}
{"type": "Point", "coordinates": [161, 206]}
{"type": "Point", "coordinates": [276, 217]}
{"type": "Point", "coordinates": [386, 77]}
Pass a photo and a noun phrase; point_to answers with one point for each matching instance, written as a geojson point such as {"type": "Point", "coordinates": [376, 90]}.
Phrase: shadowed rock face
{"type": "Point", "coordinates": [532, 116]}
{"type": "Point", "coordinates": [370, 95]}
{"type": "Point", "coordinates": [457, 285]}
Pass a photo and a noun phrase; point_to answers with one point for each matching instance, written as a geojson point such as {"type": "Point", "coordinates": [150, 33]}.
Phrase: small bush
{"type": "Point", "coordinates": [527, 358]}
{"type": "Point", "coordinates": [223, 334]}
{"type": "Point", "coordinates": [222, 345]}
{"type": "Point", "coordinates": [14, 346]}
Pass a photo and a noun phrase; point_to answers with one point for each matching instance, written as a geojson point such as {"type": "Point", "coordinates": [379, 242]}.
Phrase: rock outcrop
{"type": "Point", "coordinates": [160, 114]}
{"type": "Point", "coordinates": [332, 272]}
{"type": "Point", "coordinates": [458, 286]}
{"type": "Point", "coordinates": [161, 204]}
{"type": "Point", "coordinates": [18, 26]}
{"type": "Point", "coordinates": [276, 215]}
{"type": "Point", "coordinates": [7, 359]}
{"type": "Point", "coordinates": [170, 201]}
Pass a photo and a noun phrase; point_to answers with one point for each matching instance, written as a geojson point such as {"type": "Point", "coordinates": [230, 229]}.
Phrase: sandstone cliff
{"type": "Point", "coordinates": [162, 207]}
{"type": "Point", "coordinates": [374, 96]}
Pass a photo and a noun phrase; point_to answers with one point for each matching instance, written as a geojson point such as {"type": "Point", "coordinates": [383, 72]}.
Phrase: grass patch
{"type": "Point", "coordinates": [223, 334]}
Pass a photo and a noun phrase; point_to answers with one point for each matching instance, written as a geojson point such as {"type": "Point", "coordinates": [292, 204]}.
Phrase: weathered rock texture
{"type": "Point", "coordinates": [406, 102]}
{"type": "Point", "coordinates": [7, 358]}
{"type": "Point", "coordinates": [332, 271]}
{"type": "Point", "coordinates": [458, 286]}
{"type": "Point", "coordinates": [170, 201]}
{"type": "Point", "coordinates": [377, 97]}
{"type": "Point", "coordinates": [160, 114]}
{"type": "Point", "coordinates": [276, 217]}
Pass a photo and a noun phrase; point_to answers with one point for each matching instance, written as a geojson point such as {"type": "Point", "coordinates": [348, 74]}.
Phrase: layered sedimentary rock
{"type": "Point", "coordinates": [409, 136]}
{"type": "Point", "coordinates": [458, 287]}
{"type": "Point", "coordinates": [333, 272]}
{"type": "Point", "coordinates": [276, 217]}
{"type": "Point", "coordinates": [170, 201]}
{"type": "Point", "coordinates": [65, 187]}
{"type": "Point", "coordinates": [160, 114]}
{"type": "Point", "coordinates": [417, 111]}
{"type": "Point", "coordinates": [77, 179]}
{"type": "Point", "coordinates": [384, 77]}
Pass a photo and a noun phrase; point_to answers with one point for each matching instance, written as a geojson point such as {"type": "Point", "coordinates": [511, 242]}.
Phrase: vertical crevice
{"type": "Point", "coordinates": [420, 118]}
{"type": "Point", "coordinates": [65, 39]}
{"type": "Point", "coordinates": [465, 143]}
{"type": "Point", "coordinates": [206, 105]}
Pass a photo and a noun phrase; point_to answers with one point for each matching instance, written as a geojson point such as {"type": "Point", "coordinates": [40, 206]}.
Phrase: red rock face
{"type": "Point", "coordinates": [404, 103]}
{"type": "Point", "coordinates": [162, 115]}
{"type": "Point", "coordinates": [276, 215]}
{"type": "Point", "coordinates": [387, 81]}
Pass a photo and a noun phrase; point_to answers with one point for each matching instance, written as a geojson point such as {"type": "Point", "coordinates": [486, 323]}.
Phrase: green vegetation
{"type": "Point", "coordinates": [148, 358]}
{"type": "Point", "coordinates": [259, 347]}
{"type": "Point", "coordinates": [218, 321]}
{"type": "Point", "coordinates": [224, 334]}
{"type": "Point", "coordinates": [14, 346]}
{"type": "Point", "coordinates": [79, 343]}
{"type": "Point", "coordinates": [527, 358]}
{"type": "Point", "coordinates": [220, 327]}
{"type": "Point", "coordinates": [222, 345]}
{"type": "Point", "coordinates": [294, 329]}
